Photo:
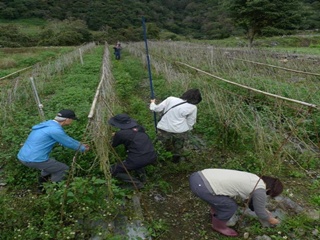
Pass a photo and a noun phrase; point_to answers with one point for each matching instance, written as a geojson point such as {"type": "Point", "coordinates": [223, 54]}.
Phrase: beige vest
{"type": "Point", "coordinates": [232, 183]}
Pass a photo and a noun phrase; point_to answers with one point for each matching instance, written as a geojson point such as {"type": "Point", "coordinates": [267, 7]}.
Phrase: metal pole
{"type": "Point", "coordinates": [149, 69]}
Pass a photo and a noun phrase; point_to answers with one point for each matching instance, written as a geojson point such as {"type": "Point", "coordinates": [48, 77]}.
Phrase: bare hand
{"type": "Point", "coordinates": [86, 147]}
{"type": "Point", "coordinates": [153, 100]}
{"type": "Point", "coordinates": [273, 221]}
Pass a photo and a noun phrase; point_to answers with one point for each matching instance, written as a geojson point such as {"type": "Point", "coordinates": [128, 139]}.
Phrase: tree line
{"type": "Point", "coordinates": [197, 19]}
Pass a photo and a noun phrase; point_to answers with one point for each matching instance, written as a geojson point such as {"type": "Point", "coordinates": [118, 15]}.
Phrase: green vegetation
{"type": "Point", "coordinates": [60, 23]}
{"type": "Point", "coordinates": [71, 209]}
{"type": "Point", "coordinates": [236, 128]}
{"type": "Point", "coordinates": [15, 59]}
{"type": "Point", "coordinates": [266, 17]}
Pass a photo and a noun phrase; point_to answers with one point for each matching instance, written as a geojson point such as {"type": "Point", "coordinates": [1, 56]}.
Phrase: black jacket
{"type": "Point", "coordinates": [137, 143]}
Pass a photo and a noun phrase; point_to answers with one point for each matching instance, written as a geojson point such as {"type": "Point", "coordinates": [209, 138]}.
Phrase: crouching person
{"type": "Point", "coordinates": [218, 187]}
{"type": "Point", "coordinates": [139, 147]}
{"type": "Point", "coordinates": [40, 142]}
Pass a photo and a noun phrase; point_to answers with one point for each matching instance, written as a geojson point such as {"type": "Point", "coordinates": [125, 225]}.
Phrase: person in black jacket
{"type": "Point", "coordinates": [139, 147]}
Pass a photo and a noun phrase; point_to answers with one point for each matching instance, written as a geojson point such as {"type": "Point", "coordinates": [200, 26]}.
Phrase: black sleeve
{"type": "Point", "coordinates": [140, 129]}
{"type": "Point", "coordinates": [117, 139]}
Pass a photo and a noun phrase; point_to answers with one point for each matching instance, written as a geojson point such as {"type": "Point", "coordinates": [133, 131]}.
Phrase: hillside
{"type": "Point", "coordinates": [107, 20]}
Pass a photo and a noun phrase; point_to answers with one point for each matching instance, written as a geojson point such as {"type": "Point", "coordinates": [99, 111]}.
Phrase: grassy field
{"type": "Point", "coordinates": [237, 128]}
{"type": "Point", "coordinates": [15, 59]}
{"type": "Point", "coordinates": [26, 26]}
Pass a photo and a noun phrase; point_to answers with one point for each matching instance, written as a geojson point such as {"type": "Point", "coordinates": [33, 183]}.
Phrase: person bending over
{"type": "Point", "coordinates": [178, 118]}
{"type": "Point", "coordinates": [218, 187]}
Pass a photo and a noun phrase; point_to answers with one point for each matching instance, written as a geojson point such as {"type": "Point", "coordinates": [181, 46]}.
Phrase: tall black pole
{"type": "Point", "coordinates": [149, 69]}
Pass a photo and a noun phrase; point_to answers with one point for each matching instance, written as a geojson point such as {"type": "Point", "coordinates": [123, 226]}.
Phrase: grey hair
{"type": "Point", "coordinates": [60, 119]}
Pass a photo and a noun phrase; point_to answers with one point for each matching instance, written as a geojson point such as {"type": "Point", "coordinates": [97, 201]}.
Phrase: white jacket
{"type": "Point", "coordinates": [178, 119]}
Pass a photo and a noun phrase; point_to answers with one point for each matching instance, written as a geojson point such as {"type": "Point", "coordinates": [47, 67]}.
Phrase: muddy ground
{"type": "Point", "coordinates": [183, 216]}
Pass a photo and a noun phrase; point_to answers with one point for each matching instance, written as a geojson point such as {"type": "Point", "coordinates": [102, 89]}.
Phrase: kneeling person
{"type": "Point", "coordinates": [138, 146]}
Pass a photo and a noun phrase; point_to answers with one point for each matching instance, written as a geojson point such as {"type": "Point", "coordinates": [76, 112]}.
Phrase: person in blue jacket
{"type": "Point", "coordinates": [36, 150]}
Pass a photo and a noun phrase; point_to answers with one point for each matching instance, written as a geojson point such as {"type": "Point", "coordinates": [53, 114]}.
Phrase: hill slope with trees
{"type": "Point", "coordinates": [86, 20]}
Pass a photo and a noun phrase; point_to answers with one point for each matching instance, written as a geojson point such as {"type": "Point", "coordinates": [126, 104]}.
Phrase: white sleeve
{"type": "Point", "coordinates": [192, 118]}
{"type": "Point", "coordinates": [158, 108]}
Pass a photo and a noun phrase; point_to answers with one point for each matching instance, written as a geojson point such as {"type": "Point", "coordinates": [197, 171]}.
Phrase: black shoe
{"type": "Point", "coordinates": [176, 158]}
{"type": "Point", "coordinates": [41, 180]}
{"type": "Point", "coordinates": [139, 185]}
{"type": "Point", "coordinates": [130, 186]}
{"type": "Point", "coordinates": [41, 190]}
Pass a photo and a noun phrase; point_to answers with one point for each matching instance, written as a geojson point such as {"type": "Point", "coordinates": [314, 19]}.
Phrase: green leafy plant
{"type": "Point", "coordinates": [157, 228]}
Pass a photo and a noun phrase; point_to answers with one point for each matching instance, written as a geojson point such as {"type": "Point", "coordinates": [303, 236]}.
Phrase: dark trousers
{"type": "Point", "coordinates": [136, 167]}
{"type": "Point", "coordinates": [52, 167]}
{"type": "Point", "coordinates": [117, 54]}
{"type": "Point", "coordinates": [224, 206]}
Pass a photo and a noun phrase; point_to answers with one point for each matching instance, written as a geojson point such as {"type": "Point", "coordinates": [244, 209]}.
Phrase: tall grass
{"type": "Point", "coordinates": [71, 207]}
{"type": "Point", "coordinates": [14, 59]}
{"type": "Point", "coordinates": [243, 121]}
{"type": "Point", "coordinates": [253, 132]}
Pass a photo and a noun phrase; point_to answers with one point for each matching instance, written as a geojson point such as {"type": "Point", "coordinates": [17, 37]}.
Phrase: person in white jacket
{"type": "Point", "coordinates": [178, 118]}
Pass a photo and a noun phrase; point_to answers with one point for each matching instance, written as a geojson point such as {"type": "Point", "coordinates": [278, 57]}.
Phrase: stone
{"type": "Point", "coordinates": [313, 214]}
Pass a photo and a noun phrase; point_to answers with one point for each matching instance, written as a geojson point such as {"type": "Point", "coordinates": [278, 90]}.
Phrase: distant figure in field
{"type": "Point", "coordinates": [179, 114]}
{"type": "Point", "coordinates": [219, 187]}
{"type": "Point", "coordinates": [117, 50]}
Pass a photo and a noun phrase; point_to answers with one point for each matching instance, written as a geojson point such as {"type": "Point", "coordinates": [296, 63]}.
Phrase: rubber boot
{"type": "Point", "coordinates": [221, 227]}
{"type": "Point", "coordinates": [176, 158]}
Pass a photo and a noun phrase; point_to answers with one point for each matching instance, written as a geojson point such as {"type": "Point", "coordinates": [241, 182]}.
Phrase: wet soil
{"type": "Point", "coordinates": [180, 215]}
{"type": "Point", "coordinates": [185, 216]}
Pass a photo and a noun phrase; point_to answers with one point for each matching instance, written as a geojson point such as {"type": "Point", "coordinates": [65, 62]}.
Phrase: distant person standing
{"type": "Point", "coordinates": [117, 50]}
{"type": "Point", "coordinates": [36, 149]}
{"type": "Point", "coordinates": [139, 148]}
{"type": "Point", "coordinates": [178, 117]}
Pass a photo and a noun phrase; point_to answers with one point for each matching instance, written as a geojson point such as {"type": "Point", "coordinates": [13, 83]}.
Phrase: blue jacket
{"type": "Point", "coordinates": [41, 140]}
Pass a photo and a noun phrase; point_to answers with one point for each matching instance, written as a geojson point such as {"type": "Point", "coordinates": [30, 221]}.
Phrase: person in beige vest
{"type": "Point", "coordinates": [218, 187]}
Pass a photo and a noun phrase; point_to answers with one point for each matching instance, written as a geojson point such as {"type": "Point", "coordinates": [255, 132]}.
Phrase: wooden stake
{"type": "Point", "coordinates": [282, 68]}
{"type": "Point", "coordinates": [252, 89]}
{"type": "Point", "coordinates": [15, 72]}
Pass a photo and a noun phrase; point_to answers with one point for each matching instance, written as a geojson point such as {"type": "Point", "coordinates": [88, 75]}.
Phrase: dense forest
{"type": "Point", "coordinates": [86, 20]}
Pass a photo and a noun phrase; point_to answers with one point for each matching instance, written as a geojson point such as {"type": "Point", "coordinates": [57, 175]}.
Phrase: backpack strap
{"type": "Point", "coordinates": [173, 107]}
